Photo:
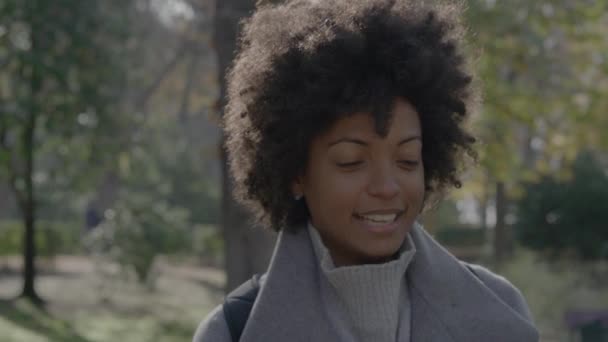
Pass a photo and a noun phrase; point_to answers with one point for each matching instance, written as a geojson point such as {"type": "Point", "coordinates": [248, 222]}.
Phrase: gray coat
{"type": "Point", "coordinates": [448, 302]}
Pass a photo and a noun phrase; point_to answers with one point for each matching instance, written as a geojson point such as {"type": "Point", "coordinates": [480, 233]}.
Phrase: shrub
{"type": "Point", "coordinates": [52, 237]}
{"type": "Point", "coordinates": [138, 230]}
{"type": "Point", "coordinates": [567, 217]}
{"type": "Point", "coordinates": [463, 236]}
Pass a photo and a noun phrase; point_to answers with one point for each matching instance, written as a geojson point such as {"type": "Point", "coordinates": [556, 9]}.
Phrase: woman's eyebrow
{"type": "Point", "coordinates": [364, 143]}
{"type": "Point", "coordinates": [348, 140]}
{"type": "Point", "coordinates": [409, 139]}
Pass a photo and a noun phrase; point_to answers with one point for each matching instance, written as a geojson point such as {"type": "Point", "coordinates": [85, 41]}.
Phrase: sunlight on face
{"type": "Point", "coordinates": [365, 191]}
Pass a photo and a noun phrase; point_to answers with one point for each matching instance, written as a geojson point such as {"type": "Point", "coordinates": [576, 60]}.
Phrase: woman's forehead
{"type": "Point", "coordinates": [402, 120]}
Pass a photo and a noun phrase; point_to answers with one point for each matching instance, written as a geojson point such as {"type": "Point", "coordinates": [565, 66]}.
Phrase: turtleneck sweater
{"type": "Point", "coordinates": [366, 302]}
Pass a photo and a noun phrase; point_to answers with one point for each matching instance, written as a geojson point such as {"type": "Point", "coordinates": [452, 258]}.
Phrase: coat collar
{"type": "Point", "coordinates": [448, 302]}
{"type": "Point", "coordinates": [451, 302]}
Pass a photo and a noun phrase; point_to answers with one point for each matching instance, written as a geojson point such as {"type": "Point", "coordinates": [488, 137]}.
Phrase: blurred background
{"type": "Point", "coordinates": [114, 219]}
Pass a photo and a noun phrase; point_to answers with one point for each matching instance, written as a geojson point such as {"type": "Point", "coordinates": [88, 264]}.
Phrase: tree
{"type": "Point", "coordinates": [246, 251]}
{"type": "Point", "coordinates": [542, 76]}
{"type": "Point", "coordinates": [61, 76]}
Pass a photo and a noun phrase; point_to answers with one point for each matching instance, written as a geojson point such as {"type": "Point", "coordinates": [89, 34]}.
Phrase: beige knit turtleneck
{"type": "Point", "coordinates": [366, 302]}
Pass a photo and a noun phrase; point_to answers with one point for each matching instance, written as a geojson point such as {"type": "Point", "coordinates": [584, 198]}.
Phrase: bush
{"type": "Point", "coordinates": [567, 217]}
{"type": "Point", "coordinates": [552, 288]}
{"type": "Point", "coordinates": [208, 244]}
{"type": "Point", "coordinates": [52, 237]}
{"type": "Point", "coordinates": [463, 236]}
{"type": "Point", "coordinates": [138, 230]}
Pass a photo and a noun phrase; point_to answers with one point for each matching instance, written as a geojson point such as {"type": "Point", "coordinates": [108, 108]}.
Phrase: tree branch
{"type": "Point", "coordinates": [144, 96]}
{"type": "Point", "coordinates": [187, 91]}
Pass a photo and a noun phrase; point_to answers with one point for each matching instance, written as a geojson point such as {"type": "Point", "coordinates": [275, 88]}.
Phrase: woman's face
{"type": "Point", "coordinates": [365, 191]}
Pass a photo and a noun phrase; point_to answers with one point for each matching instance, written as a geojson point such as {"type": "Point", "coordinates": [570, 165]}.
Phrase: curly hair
{"type": "Point", "coordinates": [304, 64]}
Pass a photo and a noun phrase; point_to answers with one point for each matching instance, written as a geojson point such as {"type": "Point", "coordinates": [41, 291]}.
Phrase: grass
{"type": "Point", "coordinates": [96, 303]}
{"type": "Point", "coordinates": [85, 303]}
{"type": "Point", "coordinates": [21, 321]}
{"type": "Point", "coordinates": [553, 288]}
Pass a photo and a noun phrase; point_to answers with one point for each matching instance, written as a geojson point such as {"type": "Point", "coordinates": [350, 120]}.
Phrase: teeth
{"type": "Point", "coordinates": [380, 218]}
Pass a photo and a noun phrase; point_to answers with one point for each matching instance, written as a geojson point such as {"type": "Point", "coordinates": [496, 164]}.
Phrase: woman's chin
{"type": "Point", "coordinates": [381, 254]}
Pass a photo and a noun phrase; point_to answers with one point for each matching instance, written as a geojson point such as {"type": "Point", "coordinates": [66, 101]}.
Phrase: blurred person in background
{"type": "Point", "coordinates": [345, 121]}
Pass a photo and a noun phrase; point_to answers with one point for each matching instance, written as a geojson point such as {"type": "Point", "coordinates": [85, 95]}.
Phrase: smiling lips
{"type": "Point", "coordinates": [378, 217]}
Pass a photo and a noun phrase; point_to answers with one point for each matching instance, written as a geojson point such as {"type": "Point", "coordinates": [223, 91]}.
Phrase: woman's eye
{"type": "Point", "coordinates": [409, 163]}
{"type": "Point", "coordinates": [350, 164]}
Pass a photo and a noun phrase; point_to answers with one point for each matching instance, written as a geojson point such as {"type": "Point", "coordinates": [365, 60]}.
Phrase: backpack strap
{"type": "Point", "coordinates": [237, 306]}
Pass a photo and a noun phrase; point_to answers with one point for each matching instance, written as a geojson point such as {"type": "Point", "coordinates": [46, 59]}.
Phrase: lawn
{"type": "Point", "coordinates": [89, 302]}
{"type": "Point", "coordinates": [553, 289]}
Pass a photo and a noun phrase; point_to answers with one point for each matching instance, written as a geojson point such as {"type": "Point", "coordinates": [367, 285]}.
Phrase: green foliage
{"type": "Point", "coordinates": [167, 202]}
{"type": "Point", "coordinates": [138, 230]}
{"type": "Point", "coordinates": [11, 234]}
{"type": "Point", "coordinates": [208, 244]}
{"type": "Point", "coordinates": [543, 69]}
{"type": "Point", "coordinates": [552, 287]}
{"type": "Point", "coordinates": [567, 216]}
{"type": "Point", "coordinates": [60, 81]}
{"type": "Point", "coordinates": [165, 162]}
{"type": "Point", "coordinates": [62, 71]}
{"type": "Point", "coordinates": [461, 235]}
{"type": "Point", "coordinates": [54, 238]}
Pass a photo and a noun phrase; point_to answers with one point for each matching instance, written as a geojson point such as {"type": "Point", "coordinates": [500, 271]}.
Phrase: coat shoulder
{"type": "Point", "coordinates": [213, 328]}
{"type": "Point", "coordinates": [506, 291]}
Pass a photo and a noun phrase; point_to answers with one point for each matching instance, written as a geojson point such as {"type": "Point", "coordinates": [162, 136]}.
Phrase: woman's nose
{"type": "Point", "coordinates": [383, 183]}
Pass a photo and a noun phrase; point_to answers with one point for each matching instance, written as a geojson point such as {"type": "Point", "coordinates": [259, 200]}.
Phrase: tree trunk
{"type": "Point", "coordinates": [247, 250]}
{"type": "Point", "coordinates": [483, 206]}
{"type": "Point", "coordinates": [29, 254]}
{"type": "Point", "coordinates": [483, 202]}
{"type": "Point", "coordinates": [28, 211]}
{"type": "Point", "coordinates": [28, 202]}
{"type": "Point", "coordinates": [502, 236]}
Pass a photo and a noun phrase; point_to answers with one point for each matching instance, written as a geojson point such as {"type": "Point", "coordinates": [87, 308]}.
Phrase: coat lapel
{"type": "Point", "coordinates": [289, 306]}
{"type": "Point", "coordinates": [450, 304]}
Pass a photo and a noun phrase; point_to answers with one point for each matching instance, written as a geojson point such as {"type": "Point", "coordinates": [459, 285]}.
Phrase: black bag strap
{"type": "Point", "coordinates": [238, 304]}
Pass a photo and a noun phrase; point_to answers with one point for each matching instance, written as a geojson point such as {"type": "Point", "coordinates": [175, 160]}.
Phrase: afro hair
{"type": "Point", "coordinates": [304, 64]}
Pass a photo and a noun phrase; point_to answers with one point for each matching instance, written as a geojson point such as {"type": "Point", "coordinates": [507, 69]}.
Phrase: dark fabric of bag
{"type": "Point", "coordinates": [237, 306]}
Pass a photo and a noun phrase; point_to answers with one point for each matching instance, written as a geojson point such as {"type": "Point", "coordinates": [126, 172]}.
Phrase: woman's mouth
{"type": "Point", "coordinates": [380, 222]}
{"type": "Point", "coordinates": [377, 218]}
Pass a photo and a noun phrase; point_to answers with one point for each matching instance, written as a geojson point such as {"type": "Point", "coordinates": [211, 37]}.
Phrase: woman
{"type": "Point", "coordinates": [345, 120]}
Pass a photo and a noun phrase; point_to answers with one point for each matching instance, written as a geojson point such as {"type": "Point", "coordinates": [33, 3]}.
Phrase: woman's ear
{"type": "Point", "coordinates": [297, 189]}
